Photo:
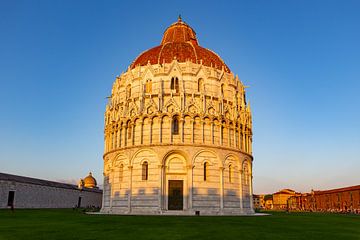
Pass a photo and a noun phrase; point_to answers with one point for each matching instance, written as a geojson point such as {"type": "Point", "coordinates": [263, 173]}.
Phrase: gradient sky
{"type": "Point", "coordinates": [300, 59]}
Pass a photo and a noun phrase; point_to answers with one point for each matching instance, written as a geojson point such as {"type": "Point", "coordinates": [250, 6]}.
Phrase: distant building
{"type": "Point", "coordinates": [341, 199]}
{"type": "Point", "coordinates": [345, 199]}
{"type": "Point", "coordinates": [268, 202]}
{"type": "Point", "coordinates": [256, 201]}
{"type": "Point", "coordinates": [300, 202]}
{"type": "Point", "coordinates": [26, 192]}
{"type": "Point", "coordinates": [259, 202]}
{"type": "Point", "coordinates": [280, 198]}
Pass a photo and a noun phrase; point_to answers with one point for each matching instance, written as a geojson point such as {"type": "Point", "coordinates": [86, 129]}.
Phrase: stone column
{"type": "Point", "coordinates": [130, 188]}
{"type": "Point", "coordinates": [202, 130]}
{"type": "Point", "coordinates": [150, 130]}
{"type": "Point", "coordinates": [221, 133]}
{"type": "Point", "coordinates": [243, 140]}
{"type": "Point", "coordinates": [251, 192]}
{"type": "Point", "coordinates": [241, 190]}
{"type": "Point", "coordinates": [239, 137]}
{"type": "Point", "coordinates": [160, 182]}
{"type": "Point", "coordinates": [132, 126]}
{"type": "Point", "coordinates": [160, 129]}
{"type": "Point", "coordinates": [124, 134]}
{"type": "Point", "coordinates": [190, 185]}
{"type": "Point", "coordinates": [212, 133]}
{"type": "Point", "coordinates": [234, 132]}
{"type": "Point", "coordinates": [115, 139]}
{"type": "Point", "coordinates": [111, 140]}
{"type": "Point", "coordinates": [247, 142]}
{"type": "Point", "coordinates": [119, 137]}
{"type": "Point", "coordinates": [250, 145]}
{"type": "Point", "coordinates": [105, 142]}
{"type": "Point", "coordinates": [229, 134]}
{"type": "Point", "coordinates": [221, 188]}
{"type": "Point", "coordinates": [142, 132]}
{"type": "Point", "coordinates": [181, 130]}
{"type": "Point", "coordinates": [111, 187]}
{"type": "Point", "coordinates": [171, 132]}
{"type": "Point", "coordinates": [192, 130]}
{"type": "Point", "coordinates": [104, 190]}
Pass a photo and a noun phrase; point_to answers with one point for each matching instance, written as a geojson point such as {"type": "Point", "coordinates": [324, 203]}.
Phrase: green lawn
{"type": "Point", "coordinates": [69, 224]}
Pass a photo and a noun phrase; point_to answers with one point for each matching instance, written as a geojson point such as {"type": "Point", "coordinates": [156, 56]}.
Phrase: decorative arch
{"type": "Point", "coordinates": [140, 151]}
{"type": "Point", "coordinates": [211, 161]}
{"type": "Point", "coordinates": [173, 152]}
{"type": "Point", "coordinates": [232, 158]}
{"type": "Point", "coordinates": [121, 159]}
{"type": "Point", "coordinates": [248, 163]}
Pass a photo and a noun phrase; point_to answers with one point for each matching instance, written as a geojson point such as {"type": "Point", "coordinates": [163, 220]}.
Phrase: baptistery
{"type": "Point", "coordinates": [178, 133]}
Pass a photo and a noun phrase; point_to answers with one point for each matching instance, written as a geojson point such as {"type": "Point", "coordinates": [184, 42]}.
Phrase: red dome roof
{"type": "Point", "coordinates": [179, 42]}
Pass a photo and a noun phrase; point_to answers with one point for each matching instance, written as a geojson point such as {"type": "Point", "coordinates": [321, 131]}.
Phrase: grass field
{"type": "Point", "coordinates": [69, 224]}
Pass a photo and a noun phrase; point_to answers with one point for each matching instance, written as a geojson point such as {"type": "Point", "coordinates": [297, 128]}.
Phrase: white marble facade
{"type": "Point", "coordinates": [178, 136]}
{"type": "Point", "coordinates": [213, 127]}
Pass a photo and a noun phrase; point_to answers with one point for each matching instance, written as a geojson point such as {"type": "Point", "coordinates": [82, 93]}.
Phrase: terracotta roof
{"type": "Point", "coordinates": [35, 181]}
{"type": "Point", "coordinates": [352, 188]}
{"type": "Point", "coordinates": [285, 191]}
{"type": "Point", "coordinates": [179, 42]}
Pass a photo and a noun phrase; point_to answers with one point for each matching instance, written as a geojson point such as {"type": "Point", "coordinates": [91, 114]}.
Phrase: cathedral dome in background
{"type": "Point", "coordinates": [90, 181]}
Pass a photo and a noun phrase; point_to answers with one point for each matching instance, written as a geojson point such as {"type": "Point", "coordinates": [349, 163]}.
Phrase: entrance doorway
{"type": "Point", "coordinates": [79, 202]}
{"type": "Point", "coordinates": [11, 198]}
{"type": "Point", "coordinates": [175, 200]}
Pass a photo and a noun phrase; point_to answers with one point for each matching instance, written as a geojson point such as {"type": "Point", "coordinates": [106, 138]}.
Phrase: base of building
{"type": "Point", "coordinates": [191, 212]}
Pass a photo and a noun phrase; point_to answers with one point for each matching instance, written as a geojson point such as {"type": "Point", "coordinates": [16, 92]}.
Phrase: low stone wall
{"type": "Point", "coordinates": [27, 195]}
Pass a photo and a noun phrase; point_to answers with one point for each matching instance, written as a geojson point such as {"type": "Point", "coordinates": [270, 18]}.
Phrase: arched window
{"type": "Point", "coordinates": [145, 171]}
{"type": "Point", "coordinates": [246, 173]}
{"type": "Point", "coordinates": [128, 91]}
{"type": "Point", "coordinates": [116, 139]}
{"type": "Point", "coordinates": [200, 85]}
{"type": "Point", "coordinates": [129, 130]}
{"type": "Point", "coordinates": [222, 133]}
{"type": "Point", "coordinates": [112, 140]}
{"type": "Point", "coordinates": [206, 170]}
{"type": "Point", "coordinates": [121, 172]}
{"type": "Point", "coordinates": [148, 86]}
{"type": "Point", "coordinates": [174, 85]}
{"type": "Point", "coordinates": [175, 126]}
{"type": "Point", "coordinates": [230, 173]}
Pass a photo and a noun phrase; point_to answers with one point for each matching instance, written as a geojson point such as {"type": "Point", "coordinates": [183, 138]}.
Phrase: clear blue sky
{"type": "Point", "coordinates": [301, 59]}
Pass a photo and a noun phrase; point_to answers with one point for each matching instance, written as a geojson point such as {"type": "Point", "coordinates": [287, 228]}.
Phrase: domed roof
{"type": "Point", "coordinates": [179, 42]}
{"type": "Point", "coordinates": [90, 181]}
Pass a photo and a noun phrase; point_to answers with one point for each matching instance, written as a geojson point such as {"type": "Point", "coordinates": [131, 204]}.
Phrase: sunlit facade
{"type": "Point", "coordinates": [178, 133]}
